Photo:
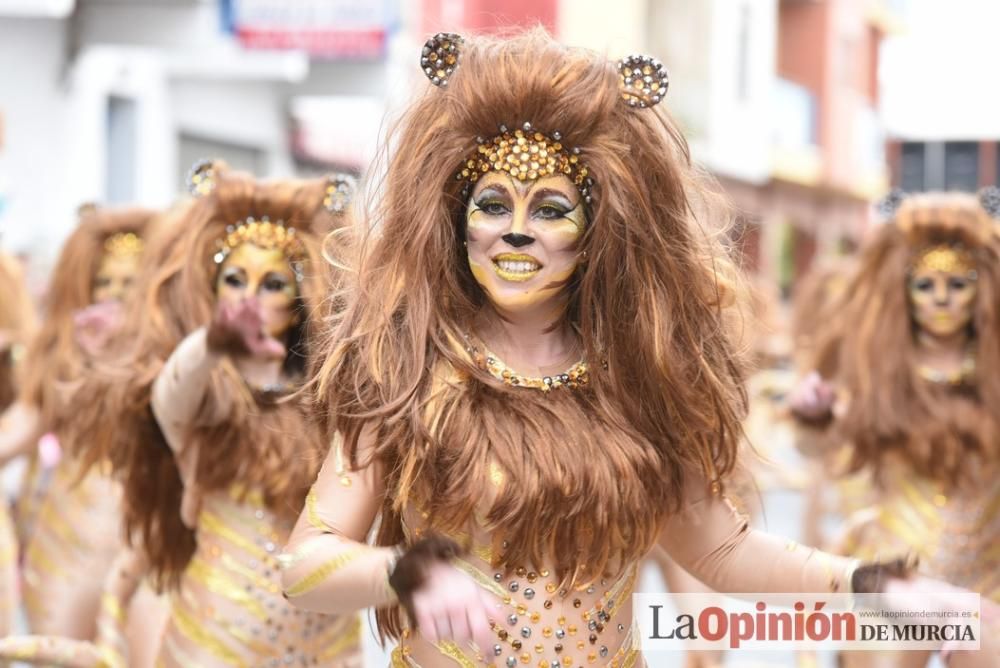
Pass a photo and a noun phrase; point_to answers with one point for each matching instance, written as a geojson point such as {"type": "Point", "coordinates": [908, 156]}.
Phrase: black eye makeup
{"type": "Point", "coordinates": [552, 209]}
{"type": "Point", "coordinates": [958, 283]}
{"type": "Point", "coordinates": [233, 277]}
{"type": "Point", "coordinates": [275, 283]}
{"type": "Point", "coordinates": [922, 284]}
{"type": "Point", "coordinates": [493, 202]}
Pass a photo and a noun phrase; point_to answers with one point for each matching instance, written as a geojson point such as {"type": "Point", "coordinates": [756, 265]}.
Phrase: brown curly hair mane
{"type": "Point", "coordinates": [592, 473]}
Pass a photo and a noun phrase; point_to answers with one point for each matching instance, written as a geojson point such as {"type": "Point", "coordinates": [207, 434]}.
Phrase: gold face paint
{"type": "Point", "coordinates": [115, 276]}
{"type": "Point", "coordinates": [942, 302]}
{"type": "Point", "coordinates": [252, 271]}
{"type": "Point", "coordinates": [523, 239]}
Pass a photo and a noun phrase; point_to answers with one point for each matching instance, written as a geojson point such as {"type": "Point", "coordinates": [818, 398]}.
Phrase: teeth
{"type": "Point", "coordinates": [517, 267]}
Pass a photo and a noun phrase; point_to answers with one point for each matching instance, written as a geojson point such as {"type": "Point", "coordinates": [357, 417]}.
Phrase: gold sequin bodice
{"type": "Point", "coordinates": [78, 530]}
{"type": "Point", "coordinates": [540, 624]}
{"type": "Point", "coordinates": [229, 610]}
{"type": "Point", "coordinates": [955, 532]}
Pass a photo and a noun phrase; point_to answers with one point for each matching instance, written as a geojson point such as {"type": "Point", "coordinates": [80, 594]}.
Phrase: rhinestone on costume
{"type": "Point", "coordinates": [946, 258]}
{"type": "Point", "coordinates": [201, 177]}
{"type": "Point", "coordinates": [526, 155]}
{"type": "Point", "coordinates": [888, 205]}
{"type": "Point", "coordinates": [339, 192]}
{"type": "Point", "coordinates": [123, 243]}
{"type": "Point", "coordinates": [989, 199]}
{"type": "Point", "coordinates": [644, 81]}
{"type": "Point", "coordinates": [529, 593]}
{"type": "Point", "coordinates": [440, 56]}
{"type": "Point", "coordinates": [265, 234]}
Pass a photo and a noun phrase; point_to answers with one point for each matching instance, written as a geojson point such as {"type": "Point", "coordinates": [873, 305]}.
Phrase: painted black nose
{"type": "Point", "coordinates": [517, 240]}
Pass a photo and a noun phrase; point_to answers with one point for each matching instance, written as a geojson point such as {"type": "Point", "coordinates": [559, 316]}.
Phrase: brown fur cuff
{"type": "Point", "coordinates": [871, 578]}
{"type": "Point", "coordinates": [225, 340]}
{"type": "Point", "coordinates": [410, 571]}
{"type": "Point", "coordinates": [820, 422]}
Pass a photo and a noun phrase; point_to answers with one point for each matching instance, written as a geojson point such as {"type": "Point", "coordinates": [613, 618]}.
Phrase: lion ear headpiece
{"type": "Point", "coordinates": [528, 153]}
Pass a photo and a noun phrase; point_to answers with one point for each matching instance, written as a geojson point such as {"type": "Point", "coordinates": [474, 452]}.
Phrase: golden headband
{"type": "Point", "coordinates": [265, 234]}
{"type": "Point", "coordinates": [947, 259]}
{"type": "Point", "coordinates": [526, 155]}
{"type": "Point", "coordinates": [123, 243]}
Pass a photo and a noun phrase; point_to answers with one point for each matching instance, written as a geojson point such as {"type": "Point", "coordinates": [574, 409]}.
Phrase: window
{"type": "Point", "coordinates": [121, 145]}
{"type": "Point", "coordinates": [961, 165]}
{"type": "Point", "coordinates": [911, 167]}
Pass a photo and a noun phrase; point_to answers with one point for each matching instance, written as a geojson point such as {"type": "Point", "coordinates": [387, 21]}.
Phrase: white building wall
{"type": "Point", "coordinates": [34, 177]}
{"type": "Point", "coordinates": [184, 79]}
{"type": "Point", "coordinates": [722, 57]}
{"type": "Point", "coordinates": [743, 61]}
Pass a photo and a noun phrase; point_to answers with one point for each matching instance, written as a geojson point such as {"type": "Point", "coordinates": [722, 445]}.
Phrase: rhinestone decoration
{"type": "Point", "coordinates": [527, 155]}
{"type": "Point", "coordinates": [265, 234]}
{"type": "Point", "coordinates": [888, 205]}
{"type": "Point", "coordinates": [201, 177]}
{"type": "Point", "coordinates": [946, 258]}
{"type": "Point", "coordinates": [989, 199]}
{"type": "Point", "coordinates": [575, 377]}
{"type": "Point", "coordinates": [123, 243]}
{"type": "Point", "coordinates": [644, 81]}
{"type": "Point", "coordinates": [339, 192]}
{"type": "Point", "coordinates": [440, 56]}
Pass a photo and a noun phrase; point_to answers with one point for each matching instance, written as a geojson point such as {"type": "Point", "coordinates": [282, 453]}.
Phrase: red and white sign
{"type": "Point", "coordinates": [332, 29]}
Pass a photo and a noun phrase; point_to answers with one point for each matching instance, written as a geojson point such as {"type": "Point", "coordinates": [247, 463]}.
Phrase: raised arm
{"type": "Point", "coordinates": [20, 429]}
{"type": "Point", "coordinates": [715, 543]}
{"type": "Point", "coordinates": [327, 566]}
{"type": "Point", "coordinates": [181, 389]}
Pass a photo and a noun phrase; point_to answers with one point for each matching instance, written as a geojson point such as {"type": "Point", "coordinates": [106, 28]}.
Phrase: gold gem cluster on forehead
{"type": "Point", "coordinates": [526, 155]}
{"type": "Point", "coordinates": [123, 243]}
{"type": "Point", "coordinates": [265, 234]}
{"type": "Point", "coordinates": [946, 258]}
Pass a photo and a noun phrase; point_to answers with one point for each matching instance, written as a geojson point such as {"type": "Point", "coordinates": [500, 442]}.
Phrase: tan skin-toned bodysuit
{"type": "Point", "coordinates": [229, 609]}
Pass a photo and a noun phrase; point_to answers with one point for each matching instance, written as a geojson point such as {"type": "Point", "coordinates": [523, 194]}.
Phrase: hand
{"type": "Point", "coordinates": [813, 398]}
{"type": "Point", "coordinates": [941, 597]}
{"type": "Point", "coordinates": [238, 330]}
{"type": "Point", "coordinates": [96, 324]}
{"type": "Point", "coordinates": [443, 603]}
{"type": "Point", "coordinates": [451, 606]}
